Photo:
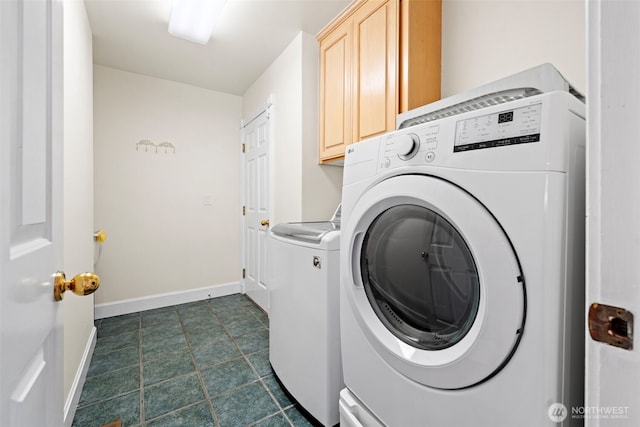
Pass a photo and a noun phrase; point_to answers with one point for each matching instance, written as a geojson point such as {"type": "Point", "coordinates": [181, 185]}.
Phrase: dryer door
{"type": "Point", "coordinates": [433, 281]}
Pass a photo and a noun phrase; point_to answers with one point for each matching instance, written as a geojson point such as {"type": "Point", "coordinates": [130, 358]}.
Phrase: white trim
{"type": "Point", "coordinates": [245, 122]}
{"type": "Point", "coordinates": [73, 397]}
{"type": "Point", "coordinates": [134, 305]}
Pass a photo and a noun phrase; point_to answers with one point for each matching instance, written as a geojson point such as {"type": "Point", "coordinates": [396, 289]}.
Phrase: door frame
{"type": "Point", "coordinates": [612, 377]}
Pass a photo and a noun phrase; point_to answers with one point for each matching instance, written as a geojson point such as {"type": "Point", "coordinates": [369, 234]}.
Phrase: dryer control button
{"type": "Point", "coordinates": [406, 146]}
{"type": "Point", "coordinates": [430, 156]}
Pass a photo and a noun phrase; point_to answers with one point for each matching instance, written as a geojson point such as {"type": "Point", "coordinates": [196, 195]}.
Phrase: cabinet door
{"type": "Point", "coordinates": [420, 48]}
{"type": "Point", "coordinates": [335, 92]}
{"type": "Point", "coordinates": [375, 35]}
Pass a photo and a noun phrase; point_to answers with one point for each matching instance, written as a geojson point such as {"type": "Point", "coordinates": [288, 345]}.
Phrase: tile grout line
{"type": "Point", "coordinates": [141, 366]}
{"type": "Point", "coordinates": [216, 421]}
{"type": "Point", "coordinates": [261, 379]}
{"type": "Point", "coordinates": [248, 361]}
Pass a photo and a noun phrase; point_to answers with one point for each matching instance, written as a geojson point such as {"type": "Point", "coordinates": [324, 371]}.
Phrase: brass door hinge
{"type": "Point", "coordinates": [244, 273]}
{"type": "Point", "coordinates": [243, 148]}
{"type": "Point", "coordinates": [244, 210]}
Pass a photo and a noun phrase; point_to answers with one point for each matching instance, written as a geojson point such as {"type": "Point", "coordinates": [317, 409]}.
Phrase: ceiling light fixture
{"type": "Point", "coordinates": [194, 20]}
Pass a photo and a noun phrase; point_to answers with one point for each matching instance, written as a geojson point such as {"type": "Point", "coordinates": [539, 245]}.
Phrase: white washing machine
{"type": "Point", "coordinates": [304, 324]}
{"type": "Point", "coordinates": [462, 262]}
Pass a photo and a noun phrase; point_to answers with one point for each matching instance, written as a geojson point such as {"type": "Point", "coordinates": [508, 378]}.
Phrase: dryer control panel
{"type": "Point", "coordinates": [431, 143]}
{"type": "Point", "coordinates": [417, 145]}
{"type": "Point", "coordinates": [516, 126]}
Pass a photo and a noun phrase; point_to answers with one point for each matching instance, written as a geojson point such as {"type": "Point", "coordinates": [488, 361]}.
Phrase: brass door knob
{"type": "Point", "coordinates": [264, 223]}
{"type": "Point", "coordinates": [81, 284]}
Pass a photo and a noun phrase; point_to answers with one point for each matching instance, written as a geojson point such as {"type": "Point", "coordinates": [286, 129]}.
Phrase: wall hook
{"type": "Point", "coordinates": [146, 144]}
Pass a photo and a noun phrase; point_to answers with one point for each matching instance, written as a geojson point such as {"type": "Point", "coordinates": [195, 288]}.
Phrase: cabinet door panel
{"type": "Point", "coordinates": [375, 63]}
{"type": "Point", "coordinates": [335, 86]}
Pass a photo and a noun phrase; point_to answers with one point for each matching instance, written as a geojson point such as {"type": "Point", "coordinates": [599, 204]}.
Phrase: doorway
{"type": "Point", "coordinates": [255, 138]}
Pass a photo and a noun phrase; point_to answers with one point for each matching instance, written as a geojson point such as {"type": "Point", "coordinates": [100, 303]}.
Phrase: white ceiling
{"type": "Point", "coordinates": [131, 35]}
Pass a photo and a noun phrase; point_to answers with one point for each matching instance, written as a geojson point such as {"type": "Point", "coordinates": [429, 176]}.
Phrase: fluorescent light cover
{"type": "Point", "coordinates": [193, 20]}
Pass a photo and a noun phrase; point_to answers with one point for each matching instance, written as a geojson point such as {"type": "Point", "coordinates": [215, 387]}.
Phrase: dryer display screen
{"type": "Point", "coordinates": [517, 126]}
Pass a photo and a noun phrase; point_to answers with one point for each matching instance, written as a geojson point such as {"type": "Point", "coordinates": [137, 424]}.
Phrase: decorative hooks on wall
{"type": "Point", "coordinates": [146, 144]}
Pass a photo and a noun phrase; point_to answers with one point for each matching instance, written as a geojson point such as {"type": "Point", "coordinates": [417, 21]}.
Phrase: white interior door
{"type": "Point", "coordinates": [30, 213]}
{"type": "Point", "coordinates": [612, 395]}
{"type": "Point", "coordinates": [256, 208]}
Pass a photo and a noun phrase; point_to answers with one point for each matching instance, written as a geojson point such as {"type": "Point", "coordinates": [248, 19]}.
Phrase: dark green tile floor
{"type": "Point", "coordinates": [199, 364]}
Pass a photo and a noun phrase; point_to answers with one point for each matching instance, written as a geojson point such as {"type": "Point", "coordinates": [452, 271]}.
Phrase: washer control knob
{"type": "Point", "coordinates": [406, 146]}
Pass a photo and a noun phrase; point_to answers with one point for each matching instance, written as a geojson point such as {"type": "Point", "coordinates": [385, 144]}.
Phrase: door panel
{"type": "Point", "coordinates": [30, 216]}
{"type": "Point", "coordinates": [335, 92]}
{"type": "Point", "coordinates": [478, 349]}
{"type": "Point", "coordinates": [256, 140]}
{"type": "Point", "coordinates": [375, 63]}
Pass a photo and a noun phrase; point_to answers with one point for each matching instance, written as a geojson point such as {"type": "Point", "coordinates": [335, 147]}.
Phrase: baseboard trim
{"type": "Point", "coordinates": [134, 305]}
{"type": "Point", "coordinates": [73, 397]}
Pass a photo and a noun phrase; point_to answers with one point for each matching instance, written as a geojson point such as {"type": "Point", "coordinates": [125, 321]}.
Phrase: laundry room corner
{"type": "Point", "coordinates": [165, 153]}
{"type": "Point", "coordinates": [301, 189]}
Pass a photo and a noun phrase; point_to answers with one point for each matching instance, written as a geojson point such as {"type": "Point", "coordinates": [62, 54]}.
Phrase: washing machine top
{"type": "Point", "coordinates": [308, 231]}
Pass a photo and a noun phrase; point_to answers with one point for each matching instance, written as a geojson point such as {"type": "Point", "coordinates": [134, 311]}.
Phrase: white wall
{"type": "Point", "coordinates": [172, 219]}
{"type": "Point", "coordinates": [485, 40]}
{"type": "Point", "coordinates": [302, 189]}
{"type": "Point", "coordinates": [321, 184]}
{"type": "Point", "coordinates": [77, 187]}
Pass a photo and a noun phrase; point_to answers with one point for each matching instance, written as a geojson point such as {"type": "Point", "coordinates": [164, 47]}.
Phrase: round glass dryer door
{"type": "Point", "coordinates": [420, 277]}
{"type": "Point", "coordinates": [433, 281]}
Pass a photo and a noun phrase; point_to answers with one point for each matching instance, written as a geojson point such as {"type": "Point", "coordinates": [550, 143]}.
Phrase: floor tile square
{"type": "Point", "coordinates": [253, 341]}
{"type": "Point", "coordinates": [274, 387]}
{"type": "Point", "coordinates": [232, 314]}
{"type": "Point", "coordinates": [260, 362]}
{"type": "Point", "coordinates": [193, 416]}
{"type": "Point", "coordinates": [117, 342]}
{"type": "Point", "coordinates": [158, 370]}
{"type": "Point", "coordinates": [159, 318]}
{"type": "Point", "coordinates": [170, 395]}
{"type": "Point", "coordinates": [259, 314]}
{"type": "Point", "coordinates": [218, 352]}
{"type": "Point", "coordinates": [163, 348]}
{"type": "Point", "coordinates": [228, 375]}
{"type": "Point", "coordinates": [243, 326]}
{"type": "Point", "coordinates": [125, 408]}
{"type": "Point", "coordinates": [105, 362]}
{"type": "Point", "coordinates": [111, 384]}
{"type": "Point", "coordinates": [203, 309]}
{"type": "Point", "coordinates": [203, 337]}
{"type": "Point", "coordinates": [160, 333]}
{"type": "Point", "coordinates": [200, 322]}
{"type": "Point", "coordinates": [118, 326]}
{"type": "Point", "coordinates": [244, 405]}
{"type": "Point", "coordinates": [227, 302]}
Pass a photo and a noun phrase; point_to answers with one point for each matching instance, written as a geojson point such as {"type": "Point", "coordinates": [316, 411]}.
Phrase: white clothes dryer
{"type": "Point", "coordinates": [462, 263]}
